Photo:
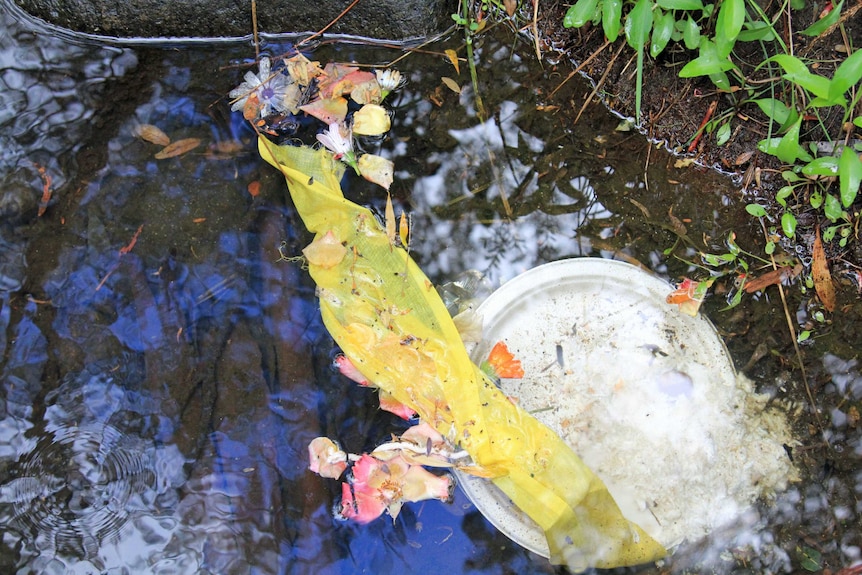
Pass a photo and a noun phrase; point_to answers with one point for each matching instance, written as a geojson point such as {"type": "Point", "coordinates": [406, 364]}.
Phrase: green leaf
{"type": "Point", "coordinates": [770, 248]}
{"type": "Point", "coordinates": [612, 18]}
{"type": "Point", "coordinates": [857, 121]}
{"type": "Point", "coordinates": [756, 210]}
{"type": "Point", "coordinates": [815, 199]}
{"type": "Point", "coordinates": [809, 558]}
{"type": "Point", "coordinates": [795, 71]}
{"type": "Point", "coordinates": [690, 33]}
{"type": "Point", "coordinates": [824, 23]}
{"type": "Point", "coordinates": [638, 24]}
{"type": "Point", "coordinates": [788, 224]}
{"type": "Point", "coordinates": [846, 76]}
{"type": "Point", "coordinates": [731, 16]}
{"type": "Point", "coordinates": [708, 62]}
{"type": "Point", "coordinates": [756, 31]}
{"type": "Point", "coordinates": [776, 110]}
{"type": "Point", "coordinates": [580, 13]}
{"type": "Point", "coordinates": [832, 208]}
{"type": "Point", "coordinates": [829, 233]}
{"type": "Point", "coordinates": [680, 4]}
{"type": "Point", "coordinates": [804, 335]}
{"type": "Point", "coordinates": [722, 135]}
{"type": "Point", "coordinates": [849, 176]}
{"type": "Point", "coordinates": [786, 148]}
{"type": "Point", "coordinates": [825, 166]}
{"type": "Point", "coordinates": [782, 195]}
{"type": "Point", "coordinates": [662, 29]}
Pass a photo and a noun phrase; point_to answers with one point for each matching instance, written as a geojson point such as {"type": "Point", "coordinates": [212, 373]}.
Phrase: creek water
{"type": "Point", "coordinates": [156, 403]}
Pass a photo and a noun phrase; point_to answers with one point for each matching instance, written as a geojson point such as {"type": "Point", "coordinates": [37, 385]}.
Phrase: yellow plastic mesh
{"type": "Point", "coordinates": [389, 320]}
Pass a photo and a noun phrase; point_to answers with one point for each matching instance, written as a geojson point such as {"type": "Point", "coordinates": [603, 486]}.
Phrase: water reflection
{"type": "Point", "coordinates": [156, 405]}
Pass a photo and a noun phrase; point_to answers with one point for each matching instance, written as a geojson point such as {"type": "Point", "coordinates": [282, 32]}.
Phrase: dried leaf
{"type": "Point", "coordinates": [348, 83]}
{"type": "Point", "coordinates": [367, 92]}
{"type": "Point", "coordinates": [453, 57]}
{"type": "Point", "coordinates": [325, 251]}
{"type": "Point", "coordinates": [451, 84]}
{"type": "Point", "coordinates": [152, 134]}
{"type": "Point", "coordinates": [774, 277]}
{"type": "Point", "coordinates": [377, 169]}
{"type": "Point", "coordinates": [178, 148]}
{"type": "Point", "coordinates": [820, 272]}
{"type": "Point", "coordinates": [254, 188]}
{"type": "Point", "coordinates": [510, 6]}
{"type": "Point", "coordinates": [390, 220]}
{"type": "Point", "coordinates": [301, 69]}
{"type": "Point", "coordinates": [328, 111]}
{"type": "Point", "coordinates": [330, 77]}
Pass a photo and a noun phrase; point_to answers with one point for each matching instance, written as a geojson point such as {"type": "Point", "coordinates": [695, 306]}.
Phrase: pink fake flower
{"type": "Point", "coordinates": [325, 459]}
{"type": "Point", "coordinates": [347, 369]}
{"type": "Point", "coordinates": [392, 405]}
{"type": "Point", "coordinates": [384, 485]}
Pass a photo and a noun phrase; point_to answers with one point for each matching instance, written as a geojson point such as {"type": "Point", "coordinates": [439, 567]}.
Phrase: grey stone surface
{"type": "Point", "coordinates": [383, 19]}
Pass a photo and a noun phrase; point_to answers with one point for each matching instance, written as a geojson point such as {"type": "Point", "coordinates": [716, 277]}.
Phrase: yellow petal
{"type": "Point", "coordinates": [370, 120]}
{"type": "Point", "coordinates": [378, 170]}
{"type": "Point", "coordinates": [325, 251]}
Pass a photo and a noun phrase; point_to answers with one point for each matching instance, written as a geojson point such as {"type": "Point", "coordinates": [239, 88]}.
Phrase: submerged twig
{"type": "Point", "coordinates": [600, 83]}
{"type": "Point", "coordinates": [798, 351]}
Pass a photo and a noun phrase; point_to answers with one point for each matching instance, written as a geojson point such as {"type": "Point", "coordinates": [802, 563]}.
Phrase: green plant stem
{"type": "Point", "coordinates": [471, 63]}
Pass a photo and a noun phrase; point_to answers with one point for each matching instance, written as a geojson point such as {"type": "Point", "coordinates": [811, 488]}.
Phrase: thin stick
{"type": "Point", "coordinates": [254, 29]}
{"type": "Point", "coordinates": [599, 84]}
{"type": "Point", "coordinates": [579, 68]}
{"type": "Point", "coordinates": [798, 351]}
{"type": "Point", "coordinates": [330, 25]}
{"type": "Point", "coordinates": [536, 30]}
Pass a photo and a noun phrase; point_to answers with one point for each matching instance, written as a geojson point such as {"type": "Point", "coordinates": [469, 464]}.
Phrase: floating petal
{"type": "Point", "coordinates": [377, 169]}
{"type": "Point", "coordinates": [325, 251]}
{"type": "Point", "coordinates": [371, 120]}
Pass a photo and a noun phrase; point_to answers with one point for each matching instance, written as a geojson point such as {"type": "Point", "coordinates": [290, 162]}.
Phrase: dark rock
{"type": "Point", "coordinates": [383, 19]}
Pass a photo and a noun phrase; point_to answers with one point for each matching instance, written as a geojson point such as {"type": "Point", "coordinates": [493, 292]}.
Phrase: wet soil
{"type": "Point", "coordinates": [673, 107]}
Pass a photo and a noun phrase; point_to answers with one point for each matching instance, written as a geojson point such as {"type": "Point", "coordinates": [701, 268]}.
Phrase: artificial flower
{"type": "Point", "coordinates": [502, 363]}
{"type": "Point", "coordinates": [266, 91]}
{"type": "Point", "coordinates": [384, 485]}
{"type": "Point", "coordinates": [325, 458]}
{"type": "Point", "coordinates": [347, 369]}
{"type": "Point", "coordinates": [392, 405]}
{"type": "Point", "coordinates": [371, 120]}
{"type": "Point", "coordinates": [389, 80]}
{"type": "Point", "coordinates": [339, 144]}
{"type": "Point", "coordinates": [689, 295]}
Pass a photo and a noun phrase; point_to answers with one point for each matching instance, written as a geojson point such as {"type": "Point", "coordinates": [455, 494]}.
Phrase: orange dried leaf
{"type": "Point", "coordinates": [331, 76]}
{"type": "Point", "coordinates": [178, 148]}
{"type": "Point", "coordinates": [254, 188]}
{"type": "Point", "coordinates": [199, 220]}
{"type": "Point", "coordinates": [503, 362]}
{"type": "Point", "coordinates": [328, 111]}
{"type": "Point", "coordinates": [152, 134]}
{"type": "Point", "coordinates": [453, 57]}
{"type": "Point", "coordinates": [773, 277]}
{"type": "Point", "coordinates": [820, 273]}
